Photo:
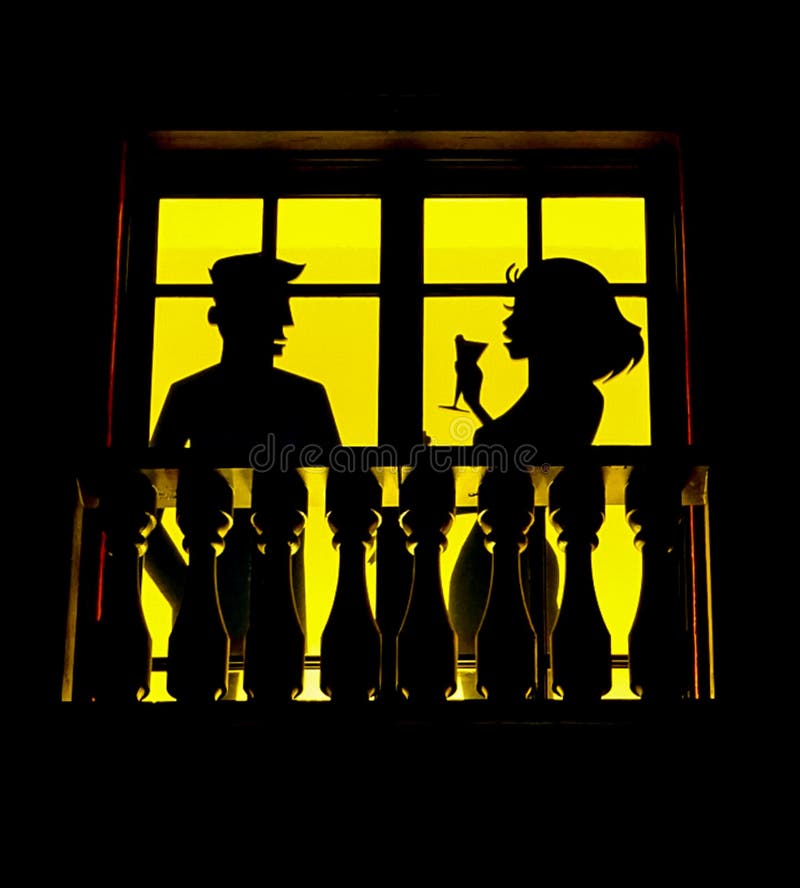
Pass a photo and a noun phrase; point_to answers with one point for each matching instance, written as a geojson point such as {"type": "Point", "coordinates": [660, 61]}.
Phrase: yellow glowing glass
{"type": "Point", "coordinates": [473, 240]}
{"type": "Point", "coordinates": [606, 232]}
{"type": "Point", "coordinates": [626, 415]}
{"type": "Point", "coordinates": [333, 341]}
{"type": "Point", "coordinates": [183, 343]}
{"type": "Point", "coordinates": [617, 568]}
{"type": "Point", "coordinates": [193, 233]}
{"type": "Point", "coordinates": [337, 239]}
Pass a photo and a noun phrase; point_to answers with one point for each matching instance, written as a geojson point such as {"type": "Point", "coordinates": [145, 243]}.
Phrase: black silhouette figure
{"type": "Point", "coordinates": [239, 404]}
{"type": "Point", "coordinates": [565, 321]}
{"type": "Point", "coordinates": [467, 370]}
{"type": "Point", "coordinates": [244, 401]}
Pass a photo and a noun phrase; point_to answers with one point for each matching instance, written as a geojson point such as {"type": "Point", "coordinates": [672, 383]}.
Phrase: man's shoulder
{"type": "Point", "coordinates": [186, 394]}
{"type": "Point", "coordinates": [212, 383]}
{"type": "Point", "coordinates": [292, 382]}
{"type": "Point", "coordinates": [213, 374]}
{"type": "Point", "coordinates": [206, 378]}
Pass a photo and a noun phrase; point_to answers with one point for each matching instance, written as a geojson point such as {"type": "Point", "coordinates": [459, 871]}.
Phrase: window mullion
{"type": "Point", "coordinates": [534, 194]}
{"type": "Point", "coordinates": [269, 230]}
{"type": "Point", "coordinates": [401, 311]}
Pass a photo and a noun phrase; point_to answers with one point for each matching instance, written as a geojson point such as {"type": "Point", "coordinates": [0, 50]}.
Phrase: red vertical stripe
{"type": "Point", "coordinates": [112, 366]}
{"type": "Point", "coordinates": [99, 609]}
{"type": "Point", "coordinates": [117, 287]}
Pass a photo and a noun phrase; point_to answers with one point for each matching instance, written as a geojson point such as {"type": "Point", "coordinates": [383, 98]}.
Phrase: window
{"type": "Point", "coordinates": [471, 242]}
{"type": "Point", "coordinates": [334, 339]}
{"type": "Point", "coordinates": [406, 245]}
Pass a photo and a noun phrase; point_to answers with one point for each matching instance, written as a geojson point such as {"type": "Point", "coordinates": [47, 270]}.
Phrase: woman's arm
{"type": "Point", "coordinates": [482, 416]}
{"type": "Point", "coordinates": [470, 380]}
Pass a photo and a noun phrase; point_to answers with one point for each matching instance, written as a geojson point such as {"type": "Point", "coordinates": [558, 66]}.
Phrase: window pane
{"type": "Point", "coordinates": [626, 415]}
{"type": "Point", "coordinates": [473, 240]}
{"type": "Point", "coordinates": [194, 233]}
{"type": "Point", "coordinates": [337, 239]}
{"type": "Point", "coordinates": [333, 341]}
{"type": "Point", "coordinates": [606, 232]}
{"type": "Point", "coordinates": [183, 343]}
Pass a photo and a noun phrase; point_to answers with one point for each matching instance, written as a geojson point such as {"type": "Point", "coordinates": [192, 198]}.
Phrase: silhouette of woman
{"type": "Point", "coordinates": [566, 322]}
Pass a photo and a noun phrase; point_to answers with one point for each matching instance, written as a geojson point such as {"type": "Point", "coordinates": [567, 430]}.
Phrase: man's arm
{"type": "Point", "coordinates": [328, 428]}
{"type": "Point", "coordinates": [171, 430]}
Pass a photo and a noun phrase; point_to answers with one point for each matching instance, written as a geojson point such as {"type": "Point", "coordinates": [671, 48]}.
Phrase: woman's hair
{"type": "Point", "coordinates": [576, 305]}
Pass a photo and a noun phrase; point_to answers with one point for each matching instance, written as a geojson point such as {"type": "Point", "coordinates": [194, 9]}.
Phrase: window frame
{"type": "Point", "coordinates": [402, 176]}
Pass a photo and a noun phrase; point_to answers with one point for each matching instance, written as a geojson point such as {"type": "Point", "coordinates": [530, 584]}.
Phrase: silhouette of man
{"type": "Point", "coordinates": [244, 401]}
{"type": "Point", "coordinates": [239, 404]}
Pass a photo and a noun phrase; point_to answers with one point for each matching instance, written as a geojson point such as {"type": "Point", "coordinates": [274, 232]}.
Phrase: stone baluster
{"type": "Point", "coordinates": [199, 647]}
{"type": "Point", "coordinates": [426, 643]}
{"type": "Point", "coordinates": [350, 651]}
{"type": "Point", "coordinates": [539, 571]}
{"type": "Point", "coordinates": [505, 644]}
{"type": "Point", "coordinates": [122, 643]}
{"type": "Point", "coordinates": [394, 571]}
{"type": "Point", "coordinates": [580, 642]}
{"type": "Point", "coordinates": [274, 651]}
{"type": "Point", "coordinates": [658, 643]}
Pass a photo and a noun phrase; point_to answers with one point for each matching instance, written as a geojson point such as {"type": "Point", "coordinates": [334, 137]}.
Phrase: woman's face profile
{"type": "Point", "coordinates": [564, 315]}
{"type": "Point", "coordinates": [545, 318]}
{"type": "Point", "coordinates": [517, 339]}
{"type": "Point", "coordinates": [525, 329]}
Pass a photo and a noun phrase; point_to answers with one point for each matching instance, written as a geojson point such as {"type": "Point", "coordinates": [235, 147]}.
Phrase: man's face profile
{"type": "Point", "coordinates": [251, 292]}
{"type": "Point", "coordinates": [253, 326]}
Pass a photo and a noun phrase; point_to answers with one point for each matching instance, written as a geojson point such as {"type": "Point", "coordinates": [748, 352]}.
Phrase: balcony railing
{"type": "Point", "coordinates": [527, 655]}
